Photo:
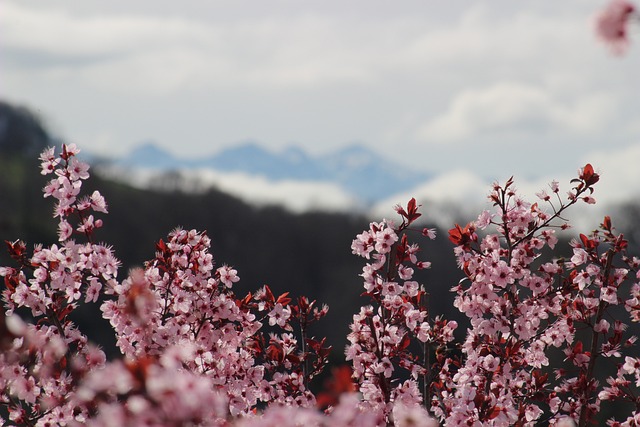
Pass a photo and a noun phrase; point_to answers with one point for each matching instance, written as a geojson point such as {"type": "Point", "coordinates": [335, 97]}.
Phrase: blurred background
{"type": "Point", "coordinates": [283, 127]}
{"type": "Point", "coordinates": [284, 99]}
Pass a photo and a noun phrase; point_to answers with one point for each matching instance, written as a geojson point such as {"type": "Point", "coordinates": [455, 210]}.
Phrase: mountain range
{"type": "Point", "coordinates": [356, 169]}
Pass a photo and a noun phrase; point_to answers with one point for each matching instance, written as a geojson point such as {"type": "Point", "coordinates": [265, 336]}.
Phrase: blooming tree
{"type": "Point", "coordinates": [386, 335]}
{"type": "Point", "coordinates": [521, 309]}
{"type": "Point", "coordinates": [43, 361]}
{"type": "Point", "coordinates": [177, 322]}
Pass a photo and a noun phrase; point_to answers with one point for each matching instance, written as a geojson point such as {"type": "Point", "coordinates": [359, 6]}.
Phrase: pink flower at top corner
{"type": "Point", "coordinates": [611, 25]}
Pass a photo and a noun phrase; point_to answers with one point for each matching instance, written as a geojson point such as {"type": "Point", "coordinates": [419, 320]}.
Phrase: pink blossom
{"type": "Point", "coordinates": [385, 239]}
{"type": "Point", "coordinates": [429, 232]}
{"type": "Point", "coordinates": [611, 25]}
{"type": "Point", "coordinates": [98, 203]}
{"type": "Point", "coordinates": [565, 422]}
{"type": "Point", "coordinates": [228, 275]}
{"type": "Point", "coordinates": [64, 230]}
{"type": "Point", "coordinates": [423, 332]}
{"type": "Point", "coordinates": [413, 415]}
{"type": "Point", "coordinates": [93, 291]}
{"type": "Point", "coordinates": [542, 195]}
{"type": "Point", "coordinates": [77, 169]}
{"type": "Point", "coordinates": [411, 288]}
{"type": "Point", "coordinates": [631, 365]}
{"type": "Point", "coordinates": [405, 272]}
{"type": "Point", "coordinates": [279, 315]}
{"type": "Point", "coordinates": [484, 219]}
{"type": "Point", "coordinates": [579, 256]}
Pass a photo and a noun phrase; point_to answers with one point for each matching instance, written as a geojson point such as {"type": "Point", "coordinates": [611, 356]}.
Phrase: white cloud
{"type": "Point", "coordinates": [201, 75]}
{"type": "Point", "coordinates": [121, 53]}
{"type": "Point", "coordinates": [620, 173]}
{"type": "Point", "coordinates": [516, 108]}
{"type": "Point", "coordinates": [286, 48]}
{"type": "Point", "coordinates": [295, 196]}
{"type": "Point", "coordinates": [446, 199]}
{"type": "Point", "coordinates": [459, 196]}
{"type": "Point", "coordinates": [60, 32]}
{"type": "Point", "coordinates": [453, 197]}
{"type": "Point", "coordinates": [492, 35]}
{"type": "Point", "coordinates": [163, 54]}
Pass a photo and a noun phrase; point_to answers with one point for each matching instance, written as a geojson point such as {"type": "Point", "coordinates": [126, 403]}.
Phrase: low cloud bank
{"type": "Point", "coordinates": [459, 195]}
{"type": "Point", "coordinates": [295, 196]}
{"type": "Point", "coordinates": [453, 197]}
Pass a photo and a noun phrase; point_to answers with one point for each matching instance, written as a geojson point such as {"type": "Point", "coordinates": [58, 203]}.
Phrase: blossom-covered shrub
{"type": "Point", "coordinates": [385, 336]}
{"type": "Point", "coordinates": [195, 354]}
{"type": "Point", "coordinates": [521, 309]}
{"type": "Point", "coordinates": [177, 323]}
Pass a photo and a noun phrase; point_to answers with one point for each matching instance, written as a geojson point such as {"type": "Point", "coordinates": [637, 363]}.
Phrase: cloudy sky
{"type": "Point", "coordinates": [492, 88]}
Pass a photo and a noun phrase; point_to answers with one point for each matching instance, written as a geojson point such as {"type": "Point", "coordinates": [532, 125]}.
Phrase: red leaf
{"type": "Point", "coordinates": [412, 210]}
{"type": "Point", "coordinates": [584, 239]}
{"type": "Point", "coordinates": [324, 351]}
{"type": "Point", "coordinates": [495, 411]}
{"type": "Point", "coordinates": [405, 342]}
{"type": "Point", "coordinates": [412, 206]}
{"type": "Point", "coordinates": [256, 345]}
{"type": "Point", "coordinates": [64, 155]}
{"type": "Point", "coordinates": [621, 243]}
{"type": "Point", "coordinates": [65, 312]}
{"type": "Point", "coordinates": [282, 299]}
{"type": "Point", "coordinates": [303, 302]}
{"type": "Point", "coordinates": [540, 379]}
{"type": "Point", "coordinates": [17, 249]}
{"type": "Point", "coordinates": [509, 182]}
{"type": "Point", "coordinates": [587, 243]}
{"type": "Point", "coordinates": [161, 246]}
{"type": "Point", "coordinates": [340, 382]}
{"type": "Point", "coordinates": [577, 348]}
{"type": "Point", "coordinates": [139, 367]}
{"type": "Point", "coordinates": [275, 353]}
{"type": "Point", "coordinates": [460, 236]}
{"type": "Point", "coordinates": [268, 294]}
{"type": "Point", "coordinates": [455, 235]}
{"type": "Point", "coordinates": [589, 176]}
{"type": "Point", "coordinates": [244, 302]}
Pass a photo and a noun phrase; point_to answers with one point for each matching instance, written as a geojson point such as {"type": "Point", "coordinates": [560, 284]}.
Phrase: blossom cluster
{"type": "Point", "coordinates": [540, 329]}
{"type": "Point", "coordinates": [385, 335]}
{"type": "Point", "coordinates": [177, 323]}
{"type": "Point", "coordinates": [523, 310]}
{"type": "Point", "coordinates": [43, 364]}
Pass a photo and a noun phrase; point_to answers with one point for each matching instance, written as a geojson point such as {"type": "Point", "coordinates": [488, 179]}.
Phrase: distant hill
{"type": "Point", "coordinates": [355, 168]}
{"type": "Point", "coordinates": [22, 132]}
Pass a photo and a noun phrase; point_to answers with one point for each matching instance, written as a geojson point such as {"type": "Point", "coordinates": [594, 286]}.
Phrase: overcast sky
{"type": "Point", "coordinates": [494, 87]}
